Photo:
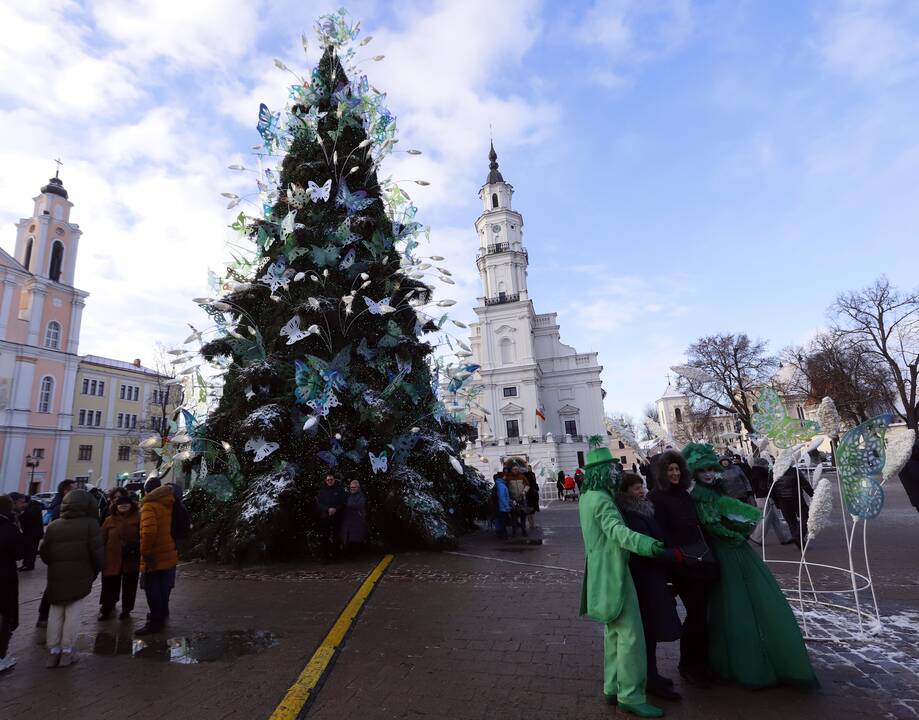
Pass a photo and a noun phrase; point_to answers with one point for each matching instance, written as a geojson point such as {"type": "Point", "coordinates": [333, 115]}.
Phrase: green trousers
{"type": "Point", "coordinates": [624, 663]}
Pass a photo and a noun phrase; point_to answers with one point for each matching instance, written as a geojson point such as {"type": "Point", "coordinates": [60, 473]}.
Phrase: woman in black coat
{"type": "Point", "coordinates": [909, 476]}
{"type": "Point", "coordinates": [650, 575]}
{"type": "Point", "coordinates": [675, 512]}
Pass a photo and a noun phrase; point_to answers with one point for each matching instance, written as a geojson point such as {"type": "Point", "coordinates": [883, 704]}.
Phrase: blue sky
{"type": "Point", "coordinates": [683, 168]}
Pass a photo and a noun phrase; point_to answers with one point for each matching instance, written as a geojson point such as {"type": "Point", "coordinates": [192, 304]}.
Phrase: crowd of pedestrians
{"type": "Point", "coordinates": [514, 499]}
{"type": "Point", "coordinates": [90, 533]}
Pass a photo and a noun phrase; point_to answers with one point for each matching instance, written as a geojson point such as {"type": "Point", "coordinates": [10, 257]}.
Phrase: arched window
{"type": "Point", "coordinates": [507, 351]}
{"type": "Point", "coordinates": [28, 257]}
{"type": "Point", "coordinates": [45, 394]}
{"type": "Point", "coordinates": [53, 335]}
{"type": "Point", "coordinates": [494, 200]}
{"type": "Point", "coordinates": [678, 414]}
{"type": "Point", "coordinates": [57, 261]}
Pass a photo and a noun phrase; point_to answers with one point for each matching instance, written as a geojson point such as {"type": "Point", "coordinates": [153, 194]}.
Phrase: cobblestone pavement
{"type": "Point", "coordinates": [489, 631]}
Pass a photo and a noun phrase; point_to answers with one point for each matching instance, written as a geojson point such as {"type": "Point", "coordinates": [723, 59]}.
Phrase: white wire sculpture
{"type": "Point", "coordinates": [842, 592]}
{"type": "Point", "coordinates": [855, 584]}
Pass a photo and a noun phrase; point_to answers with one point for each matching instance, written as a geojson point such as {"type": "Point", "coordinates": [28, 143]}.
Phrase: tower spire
{"type": "Point", "coordinates": [494, 175]}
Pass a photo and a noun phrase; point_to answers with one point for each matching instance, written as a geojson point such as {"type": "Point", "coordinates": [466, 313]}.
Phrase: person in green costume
{"type": "Point", "coordinates": [754, 638]}
{"type": "Point", "coordinates": [608, 594]}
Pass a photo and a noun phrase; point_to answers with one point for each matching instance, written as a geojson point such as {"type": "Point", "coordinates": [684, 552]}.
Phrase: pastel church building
{"type": "Point", "coordinates": [40, 315]}
{"type": "Point", "coordinates": [539, 398]}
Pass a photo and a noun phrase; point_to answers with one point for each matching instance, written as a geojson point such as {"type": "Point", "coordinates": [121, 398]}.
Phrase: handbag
{"type": "Point", "coordinates": [699, 559]}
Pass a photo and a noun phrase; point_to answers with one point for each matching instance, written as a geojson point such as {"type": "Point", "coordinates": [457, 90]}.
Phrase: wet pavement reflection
{"type": "Point", "coordinates": [184, 650]}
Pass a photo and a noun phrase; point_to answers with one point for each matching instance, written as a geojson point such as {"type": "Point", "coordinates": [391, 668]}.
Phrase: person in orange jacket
{"type": "Point", "coordinates": [158, 555]}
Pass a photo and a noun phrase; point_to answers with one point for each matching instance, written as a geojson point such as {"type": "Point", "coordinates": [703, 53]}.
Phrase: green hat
{"type": "Point", "coordinates": [598, 456]}
{"type": "Point", "coordinates": [700, 456]}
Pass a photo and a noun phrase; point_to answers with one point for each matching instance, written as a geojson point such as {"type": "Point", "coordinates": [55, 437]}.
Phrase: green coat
{"type": "Point", "coordinates": [72, 549]}
{"type": "Point", "coordinates": [607, 544]}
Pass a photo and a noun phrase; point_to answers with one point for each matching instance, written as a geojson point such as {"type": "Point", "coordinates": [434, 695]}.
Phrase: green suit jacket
{"type": "Point", "coordinates": [607, 544]}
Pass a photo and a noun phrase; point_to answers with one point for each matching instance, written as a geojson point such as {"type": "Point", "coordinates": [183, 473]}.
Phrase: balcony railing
{"type": "Point", "coordinates": [501, 247]}
{"type": "Point", "coordinates": [502, 298]}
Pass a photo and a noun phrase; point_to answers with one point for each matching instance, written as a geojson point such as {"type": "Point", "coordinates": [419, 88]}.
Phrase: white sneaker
{"type": "Point", "coordinates": [7, 663]}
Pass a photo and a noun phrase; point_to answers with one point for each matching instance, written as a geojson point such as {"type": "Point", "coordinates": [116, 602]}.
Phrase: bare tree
{"type": "Point", "coordinates": [650, 412]}
{"type": "Point", "coordinates": [166, 395]}
{"type": "Point", "coordinates": [834, 365]}
{"type": "Point", "coordinates": [882, 321]}
{"type": "Point", "coordinates": [732, 370]}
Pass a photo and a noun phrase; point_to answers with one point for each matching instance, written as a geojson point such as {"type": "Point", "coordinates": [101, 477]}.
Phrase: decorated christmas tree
{"type": "Point", "coordinates": [318, 337]}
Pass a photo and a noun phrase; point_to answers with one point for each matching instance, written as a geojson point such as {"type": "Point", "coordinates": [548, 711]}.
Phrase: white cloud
{"type": "Point", "coordinates": [198, 33]}
{"type": "Point", "coordinates": [872, 41]}
{"type": "Point", "coordinates": [632, 33]}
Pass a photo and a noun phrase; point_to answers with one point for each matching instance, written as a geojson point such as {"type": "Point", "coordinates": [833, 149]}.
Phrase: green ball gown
{"type": "Point", "coordinates": [754, 638]}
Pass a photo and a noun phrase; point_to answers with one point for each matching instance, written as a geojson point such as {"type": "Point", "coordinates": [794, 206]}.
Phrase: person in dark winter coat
{"type": "Point", "coordinates": [54, 511]}
{"type": "Point", "coordinates": [74, 554]}
{"type": "Point", "coordinates": [532, 496]}
{"type": "Point", "coordinates": [734, 481]}
{"type": "Point", "coordinates": [29, 517]}
{"type": "Point", "coordinates": [11, 550]}
{"type": "Point", "coordinates": [909, 476]}
{"type": "Point", "coordinates": [789, 496]}
{"type": "Point", "coordinates": [560, 484]}
{"type": "Point", "coordinates": [330, 501]}
{"type": "Point", "coordinates": [650, 575]}
{"type": "Point", "coordinates": [354, 517]}
{"type": "Point", "coordinates": [121, 535]}
{"type": "Point", "coordinates": [675, 512]}
{"type": "Point", "coordinates": [761, 480]}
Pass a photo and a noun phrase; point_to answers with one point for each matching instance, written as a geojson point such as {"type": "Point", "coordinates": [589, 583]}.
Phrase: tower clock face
{"type": "Point", "coordinates": [496, 229]}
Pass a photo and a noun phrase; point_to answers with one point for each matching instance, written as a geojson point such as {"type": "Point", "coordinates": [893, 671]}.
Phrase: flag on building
{"type": "Point", "coordinates": [539, 413]}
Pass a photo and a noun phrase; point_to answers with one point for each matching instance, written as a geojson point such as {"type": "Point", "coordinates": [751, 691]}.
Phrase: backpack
{"type": "Point", "coordinates": [181, 521]}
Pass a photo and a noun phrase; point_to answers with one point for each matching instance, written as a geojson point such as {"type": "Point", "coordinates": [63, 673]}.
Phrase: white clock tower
{"type": "Point", "coordinates": [538, 398]}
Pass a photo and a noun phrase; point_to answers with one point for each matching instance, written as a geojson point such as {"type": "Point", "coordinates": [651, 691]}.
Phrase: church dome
{"type": "Point", "coordinates": [55, 187]}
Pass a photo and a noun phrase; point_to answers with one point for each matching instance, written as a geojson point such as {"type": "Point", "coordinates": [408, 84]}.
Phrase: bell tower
{"type": "Point", "coordinates": [502, 259]}
{"type": "Point", "coordinates": [47, 242]}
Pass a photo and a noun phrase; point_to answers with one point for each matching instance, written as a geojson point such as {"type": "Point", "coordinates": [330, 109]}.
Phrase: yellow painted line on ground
{"type": "Point", "coordinates": [305, 684]}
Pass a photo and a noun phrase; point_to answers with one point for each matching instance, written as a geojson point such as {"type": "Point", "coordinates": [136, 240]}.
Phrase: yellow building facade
{"type": "Point", "coordinates": [116, 406]}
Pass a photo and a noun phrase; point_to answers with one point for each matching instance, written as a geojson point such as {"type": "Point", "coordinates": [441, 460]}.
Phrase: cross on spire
{"type": "Point", "coordinates": [59, 163]}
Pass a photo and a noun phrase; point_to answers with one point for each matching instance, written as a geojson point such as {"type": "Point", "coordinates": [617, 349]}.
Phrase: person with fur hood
{"type": "Point", "coordinates": [73, 551]}
{"type": "Point", "coordinates": [675, 513]}
{"type": "Point", "coordinates": [650, 576]}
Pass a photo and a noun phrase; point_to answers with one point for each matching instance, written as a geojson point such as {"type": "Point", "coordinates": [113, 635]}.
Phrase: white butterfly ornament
{"type": "Point", "coordinates": [319, 192]}
{"type": "Point", "coordinates": [261, 448]}
{"type": "Point", "coordinates": [378, 464]}
{"type": "Point", "coordinates": [379, 308]}
{"type": "Point", "coordinates": [292, 330]}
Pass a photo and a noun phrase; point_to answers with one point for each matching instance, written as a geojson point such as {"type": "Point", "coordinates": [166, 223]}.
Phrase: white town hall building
{"type": "Point", "coordinates": [539, 399]}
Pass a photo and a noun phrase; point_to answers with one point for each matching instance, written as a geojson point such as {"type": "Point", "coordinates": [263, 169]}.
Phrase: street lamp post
{"type": "Point", "coordinates": [31, 463]}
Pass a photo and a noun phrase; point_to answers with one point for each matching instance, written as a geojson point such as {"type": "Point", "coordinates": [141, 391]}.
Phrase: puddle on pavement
{"type": "Point", "coordinates": [186, 650]}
